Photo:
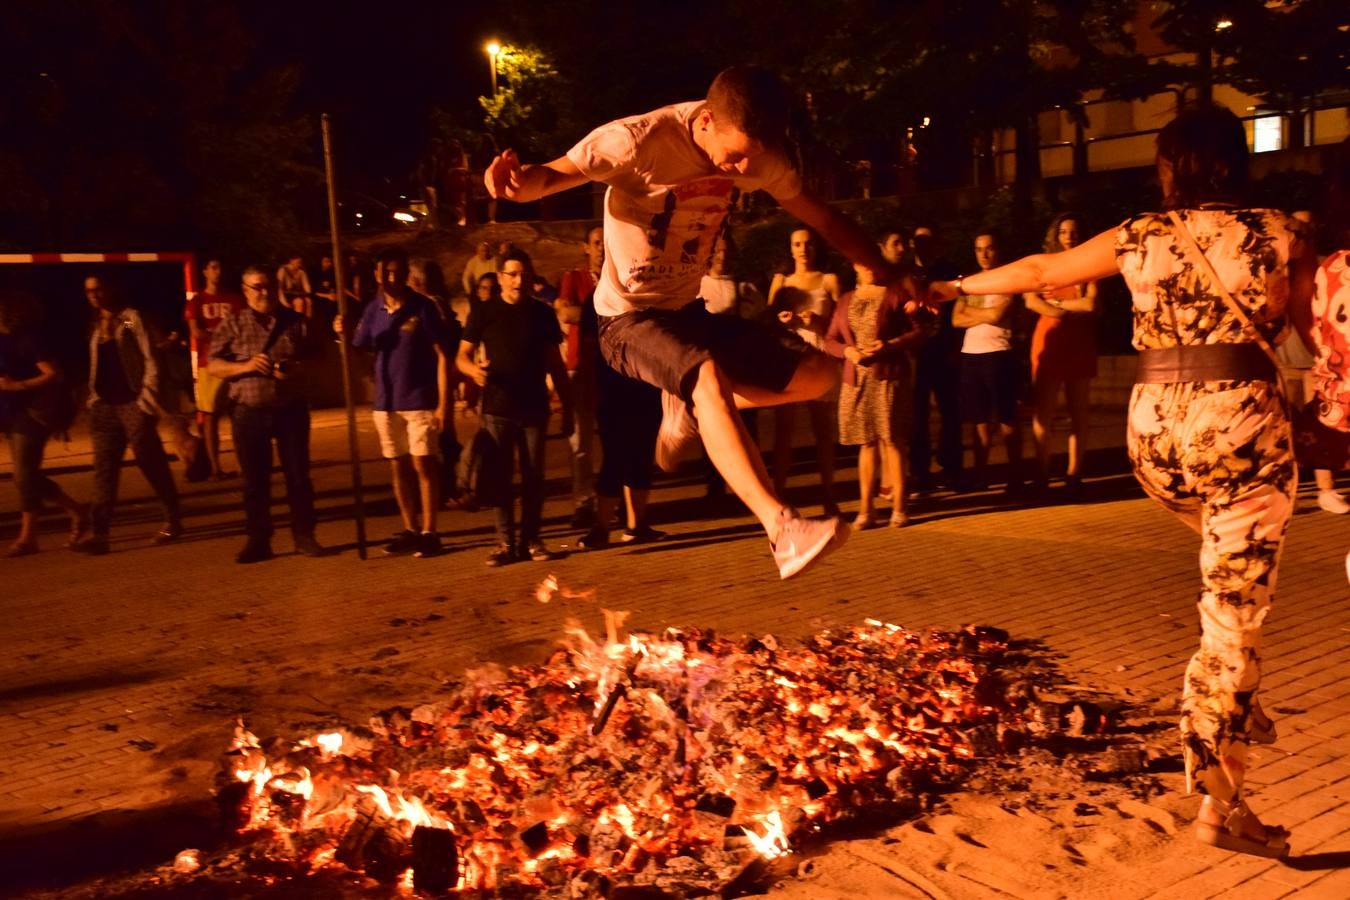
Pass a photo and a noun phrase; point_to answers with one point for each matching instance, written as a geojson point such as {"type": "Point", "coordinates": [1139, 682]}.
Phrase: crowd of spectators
{"type": "Point", "coordinates": [911, 379]}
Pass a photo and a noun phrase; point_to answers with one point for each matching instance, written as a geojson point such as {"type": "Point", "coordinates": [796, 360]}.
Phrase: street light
{"type": "Point", "coordinates": [493, 51]}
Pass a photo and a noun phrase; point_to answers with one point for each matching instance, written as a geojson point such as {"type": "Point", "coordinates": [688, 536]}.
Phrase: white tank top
{"type": "Point", "coordinates": [987, 338]}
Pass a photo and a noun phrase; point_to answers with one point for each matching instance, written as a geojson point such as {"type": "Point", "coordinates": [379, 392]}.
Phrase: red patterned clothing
{"type": "Point", "coordinates": [1331, 331]}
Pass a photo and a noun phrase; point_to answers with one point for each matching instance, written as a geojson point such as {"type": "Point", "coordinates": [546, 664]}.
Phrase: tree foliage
{"type": "Point", "coordinates": [530, 103]}
{"type": "Point", "coordinates": [1281, 51]}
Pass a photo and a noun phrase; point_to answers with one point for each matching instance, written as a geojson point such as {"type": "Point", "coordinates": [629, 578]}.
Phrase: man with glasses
{"type": "Point", "coordinates": [519, 336]}
{"type": "Point", "coordinates": [258, 351]}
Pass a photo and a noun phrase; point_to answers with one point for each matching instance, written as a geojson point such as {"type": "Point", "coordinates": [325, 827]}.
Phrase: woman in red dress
{"type": "Point", "coordinates": [1063, 352]}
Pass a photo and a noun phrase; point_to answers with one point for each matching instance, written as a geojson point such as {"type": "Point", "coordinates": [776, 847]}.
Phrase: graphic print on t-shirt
{"type": "Point", "coordinates": [695, 212]}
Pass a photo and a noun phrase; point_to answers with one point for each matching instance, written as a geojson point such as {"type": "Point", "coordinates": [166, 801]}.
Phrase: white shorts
{"type": "Point", "coordinates": [409, 431]}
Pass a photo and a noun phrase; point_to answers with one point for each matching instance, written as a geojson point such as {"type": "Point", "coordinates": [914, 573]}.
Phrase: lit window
{"type": "Point", "coordinates": [1267, 134]}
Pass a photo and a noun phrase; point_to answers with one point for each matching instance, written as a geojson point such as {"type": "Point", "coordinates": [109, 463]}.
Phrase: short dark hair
{"type": "Point", "coordinates": [393, 254]}
{"type": "Point", "coordinates": [515, 254]}
{"type": "Point", "coordinates": [755, 101]}
{"type": "Point", "coordinates": [1206, 148]}
{"type": "Point", "coordinates": [989, 233]}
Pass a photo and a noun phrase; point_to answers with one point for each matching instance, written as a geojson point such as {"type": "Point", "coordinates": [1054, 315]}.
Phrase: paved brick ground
{"type": "Point", "coordinates": [123, 672]}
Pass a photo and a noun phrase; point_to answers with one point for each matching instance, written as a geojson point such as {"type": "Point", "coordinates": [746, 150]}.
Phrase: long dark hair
{"type": "Point", "coordinates": [1205, 147]}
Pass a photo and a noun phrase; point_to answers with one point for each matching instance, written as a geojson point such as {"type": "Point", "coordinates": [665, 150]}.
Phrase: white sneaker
{"type": "Point", "coordinates": [1333, 502]}
{"type": "Point", "coordinates": [802, 542]}
{"type": "Point", "coordinates": [678, 434]}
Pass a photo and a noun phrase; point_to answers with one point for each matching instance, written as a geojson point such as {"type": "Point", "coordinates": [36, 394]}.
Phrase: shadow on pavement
{"type": "Point", "coordinates": [92, 681]}
{"type": "Point", "coordinates": [104, 844]}
{"type": "Point", "coordinates": [1314, 862]}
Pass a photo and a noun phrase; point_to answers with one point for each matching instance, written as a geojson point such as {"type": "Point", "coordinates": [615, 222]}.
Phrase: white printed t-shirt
{"type": "Point", "coordinates": [665, 205]}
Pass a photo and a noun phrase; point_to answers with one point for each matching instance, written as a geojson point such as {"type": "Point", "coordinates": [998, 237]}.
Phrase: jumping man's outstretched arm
{"type": "Point", "coordinates": [507, 178]}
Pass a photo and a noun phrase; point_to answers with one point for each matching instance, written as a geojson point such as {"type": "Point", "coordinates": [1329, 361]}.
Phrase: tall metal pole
{"type": "Point", "coordinates": [353, 447]}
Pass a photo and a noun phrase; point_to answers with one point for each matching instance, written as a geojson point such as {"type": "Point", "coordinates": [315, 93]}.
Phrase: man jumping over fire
{"type": "Point", "coordinates": [673, 176]}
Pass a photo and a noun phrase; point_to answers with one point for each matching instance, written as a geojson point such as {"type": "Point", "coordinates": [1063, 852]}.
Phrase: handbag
{"type": "Point", "coordinates": [1315, 444]}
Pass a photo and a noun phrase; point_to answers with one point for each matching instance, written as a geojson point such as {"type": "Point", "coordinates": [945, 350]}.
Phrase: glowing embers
{"type": "Point", "coordinates": [670, 761]}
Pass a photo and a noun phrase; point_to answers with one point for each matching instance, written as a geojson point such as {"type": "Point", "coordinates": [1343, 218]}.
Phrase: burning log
{"type": "Point", "coordinates": [608, 709]}
{"type": "Point", "coordinates": [435, 862]}
{"type": "Point", "coordinates": [619, 690]}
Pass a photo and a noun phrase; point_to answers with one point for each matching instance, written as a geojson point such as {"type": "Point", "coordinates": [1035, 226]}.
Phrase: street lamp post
{"type": "Point", "coordinates": [493, 50]}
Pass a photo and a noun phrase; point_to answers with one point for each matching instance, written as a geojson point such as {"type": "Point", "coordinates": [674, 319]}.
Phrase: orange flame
{"type": "Point", "coordinates": [773, 843]}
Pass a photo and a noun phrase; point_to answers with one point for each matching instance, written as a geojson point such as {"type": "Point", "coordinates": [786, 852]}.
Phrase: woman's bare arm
{"type": "Point", "coordinates": [1042, 272]}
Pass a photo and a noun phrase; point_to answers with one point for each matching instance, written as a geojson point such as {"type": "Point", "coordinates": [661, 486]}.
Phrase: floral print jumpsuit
{"type": "Point", "coordinates": [1218, 454]}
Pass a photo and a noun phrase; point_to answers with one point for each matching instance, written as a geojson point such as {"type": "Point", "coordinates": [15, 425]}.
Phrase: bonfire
{"type": "Point", "coordinates": [663, 764]}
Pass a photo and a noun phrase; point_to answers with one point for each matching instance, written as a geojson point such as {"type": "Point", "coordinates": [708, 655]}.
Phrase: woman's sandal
{"type": "Point", "coordinates": [79, 528]}
{"type": "Point", "coordinates": [21, 548]}
{"type": "Point", "coordinates": [899, 519]}
{"type": "Point", "coordinates": [864, 522]}
{"type": "Point", "coordinates": [1232, 833]}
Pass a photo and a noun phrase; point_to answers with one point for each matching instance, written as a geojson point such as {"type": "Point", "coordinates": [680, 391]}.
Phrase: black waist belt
{"type": "Point", "coordinates": [1205, 362]}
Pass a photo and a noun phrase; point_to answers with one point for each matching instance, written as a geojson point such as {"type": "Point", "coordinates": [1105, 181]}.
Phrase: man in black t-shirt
{"type": "Point", "coordinates": [520, 337]}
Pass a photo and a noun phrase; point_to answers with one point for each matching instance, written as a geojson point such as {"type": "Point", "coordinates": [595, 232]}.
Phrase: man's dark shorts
{"type": "Point", "coordinates": [989, 387]}
{"type": "Point", "coordinates": [666, 347]}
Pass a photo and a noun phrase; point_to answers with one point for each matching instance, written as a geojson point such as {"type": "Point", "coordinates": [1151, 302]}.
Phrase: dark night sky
{"type": "Point", "coordinates": [378, 68]}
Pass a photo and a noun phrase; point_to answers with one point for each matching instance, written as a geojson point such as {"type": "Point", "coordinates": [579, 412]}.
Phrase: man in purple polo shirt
{"type": "Point", "coordinates": [412, 396]}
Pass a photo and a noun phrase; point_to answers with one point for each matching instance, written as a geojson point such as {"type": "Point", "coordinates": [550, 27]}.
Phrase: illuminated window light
{"type": "Point", "coordinates": [1267, 134]}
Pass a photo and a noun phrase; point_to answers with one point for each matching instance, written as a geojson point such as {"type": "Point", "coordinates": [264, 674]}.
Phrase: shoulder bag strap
{"type": "Point", "coordinates": [1202, 263]}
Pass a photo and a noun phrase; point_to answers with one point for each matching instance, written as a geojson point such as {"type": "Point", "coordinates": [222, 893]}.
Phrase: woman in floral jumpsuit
{"type": "Point", "coordinates": [1218, 453]}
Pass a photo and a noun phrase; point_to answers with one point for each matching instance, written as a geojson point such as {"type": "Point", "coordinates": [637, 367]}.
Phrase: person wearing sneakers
{"type": "Point", "coordinates": [674, 175]}
{"type": "Point", "coordinates": [409, 338]}
{"type": "Point", "coordinates": [520, 338]}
